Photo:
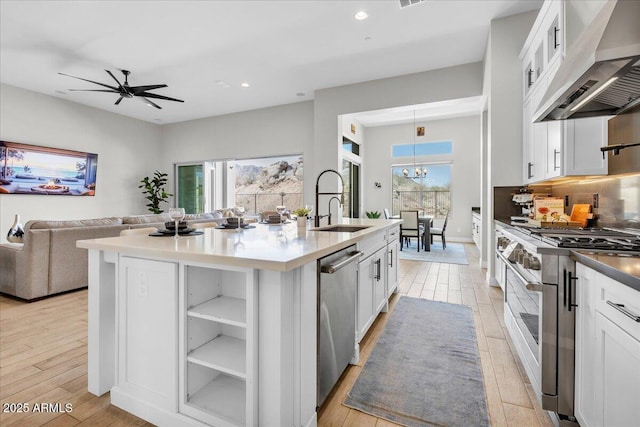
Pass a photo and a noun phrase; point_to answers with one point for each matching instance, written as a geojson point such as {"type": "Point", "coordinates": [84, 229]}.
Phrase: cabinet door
{"type": "Point", "coordinates": [365, 295]}
{"type": "Point", "coordinates": [585, 346]}
{"type": "Point", "coordinates": [539, 150]}
{"type": "Point", "coordinates": [148, 331]}
{"type": "Point", "coordinates": [555, 138]}
{"type": "Point", "coordinates": [527, 142]}
{"type": "Point", "coordinates": [617, 375]}
{"type": "Point", "coordinates": [584, 137]}
{"type": "Point", "coordinates": [392, 266]}
{"type": "Point", "coordinates": [379, 281]}
{"type": "Point", "coordinates": [554, 38]}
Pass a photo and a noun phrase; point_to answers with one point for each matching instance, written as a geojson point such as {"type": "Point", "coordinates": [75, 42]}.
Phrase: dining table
{"type": "Point", "coordinates": [427, 221]}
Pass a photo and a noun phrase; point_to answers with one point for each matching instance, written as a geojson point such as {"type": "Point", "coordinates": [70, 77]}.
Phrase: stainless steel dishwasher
{"type": "Point", "coordinates": [337, 281]}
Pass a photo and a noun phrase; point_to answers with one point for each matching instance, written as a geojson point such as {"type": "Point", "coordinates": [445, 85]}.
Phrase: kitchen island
{"type": "Point", "coordinates": [215, 329]}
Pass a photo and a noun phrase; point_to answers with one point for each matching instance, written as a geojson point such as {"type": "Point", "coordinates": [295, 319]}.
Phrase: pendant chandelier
{"type": "Point", "coordinates": [418, 172]}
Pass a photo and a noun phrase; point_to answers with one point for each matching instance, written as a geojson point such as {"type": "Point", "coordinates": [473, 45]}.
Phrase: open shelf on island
{"type": "Point", "coordinates": [223, 309]}
{"type": "Point", "coordinates": [223, 353]}
{"type": "Point", "coordinates": [224, 397]}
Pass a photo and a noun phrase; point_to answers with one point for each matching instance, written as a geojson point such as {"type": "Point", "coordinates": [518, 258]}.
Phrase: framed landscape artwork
{"type": "Point", "coordinates": [33, 169]}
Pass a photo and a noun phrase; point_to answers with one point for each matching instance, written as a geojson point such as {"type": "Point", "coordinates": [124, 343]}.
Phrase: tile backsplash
{"type": "Point", "coordinates": [618, 199]}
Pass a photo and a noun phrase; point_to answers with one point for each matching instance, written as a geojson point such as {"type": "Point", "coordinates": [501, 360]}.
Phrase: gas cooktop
{"type": "Point", "coordinates": [591, 238]}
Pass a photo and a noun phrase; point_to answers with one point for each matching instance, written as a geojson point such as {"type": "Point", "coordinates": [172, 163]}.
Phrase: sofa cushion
{"type": "Point", "coordinates": [146, 219]}
{"type": "Point", "coordinates": [190, 217]}
{"type": "Point", "coordinates": [39, 225]}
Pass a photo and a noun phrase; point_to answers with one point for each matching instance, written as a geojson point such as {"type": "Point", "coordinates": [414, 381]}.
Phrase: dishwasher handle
{"type": "Point", "coordinates": [342, 262]}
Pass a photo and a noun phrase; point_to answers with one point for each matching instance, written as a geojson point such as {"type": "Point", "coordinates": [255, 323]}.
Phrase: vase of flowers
{"type": "Point", "coordinates": [301, 216]}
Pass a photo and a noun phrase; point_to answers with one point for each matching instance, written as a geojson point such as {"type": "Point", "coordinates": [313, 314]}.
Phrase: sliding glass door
{"type": "Point", "coordinates": [351, 177]}
{"type": "Point", "coordinates": [190, 188]}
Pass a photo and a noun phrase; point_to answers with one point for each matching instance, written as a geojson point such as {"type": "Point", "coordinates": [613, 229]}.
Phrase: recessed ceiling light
{"type": "Point", "coordinates": [300, 94]}
{"type": "Point", "coordinates": [360, 16]}
{"type": "Point", "coordinates": [244, 84]}
{"type": "Point", "coordinates": [367, 38]}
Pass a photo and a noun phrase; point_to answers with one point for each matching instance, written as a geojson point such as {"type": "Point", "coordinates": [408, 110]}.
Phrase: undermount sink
{"type": "Point", "coordinates": [343, 228]}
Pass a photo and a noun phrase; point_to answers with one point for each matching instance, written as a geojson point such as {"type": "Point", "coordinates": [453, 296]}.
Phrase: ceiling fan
{"type": "Point", "coordinates": [126, 91]}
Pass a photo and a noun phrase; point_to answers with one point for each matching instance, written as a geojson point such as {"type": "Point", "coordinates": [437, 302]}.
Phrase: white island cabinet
{"type": "Point", "coordinates": [218, 329]}
{"type": "Point", "coordinates": [607, 351]}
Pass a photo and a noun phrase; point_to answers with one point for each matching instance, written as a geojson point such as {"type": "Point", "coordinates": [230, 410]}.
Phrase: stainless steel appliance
{"type": "Point", "coordinates": [337, 280]}
{"type": "Point", "coordinates": [600, 74]}
{"type": "Point", "coordinates": [538, 278]}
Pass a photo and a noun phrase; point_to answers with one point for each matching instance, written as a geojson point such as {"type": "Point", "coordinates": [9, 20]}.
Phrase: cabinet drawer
{"type": "Point", "coordinates": [611, 292]}
{"type": "Point", "coordinates": [372, 243]}
{"type": "Point", "coordinates": [393, 233]}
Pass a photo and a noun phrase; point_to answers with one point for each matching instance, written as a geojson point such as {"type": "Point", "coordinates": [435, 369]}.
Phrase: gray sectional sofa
{"type": "Point", "coordinates": [48, 262]}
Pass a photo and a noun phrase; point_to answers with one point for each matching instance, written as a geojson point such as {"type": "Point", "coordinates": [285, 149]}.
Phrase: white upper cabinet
{"type": "Point", "coordinates": [554, 149]}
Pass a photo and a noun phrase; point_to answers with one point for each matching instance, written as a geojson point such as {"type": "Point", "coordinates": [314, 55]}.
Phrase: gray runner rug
{"type": "Point", "coordinates": [425, 368]}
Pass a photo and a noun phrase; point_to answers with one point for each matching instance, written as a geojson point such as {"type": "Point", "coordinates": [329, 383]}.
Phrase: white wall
{"type": "Point", "coordinates": [465, 132]}
{"type": "Point", "coordinates": [503, 87]}
{"type": "Point", "coordinates": [128, 149]}
{"type": "Point", "coordinates": [430, 86]}
{"type": "Point", "coordinates": [273, 131]}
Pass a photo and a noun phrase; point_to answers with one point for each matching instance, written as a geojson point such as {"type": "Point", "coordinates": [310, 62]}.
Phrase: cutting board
{"type": "Point", "coordinates": [581, 213]}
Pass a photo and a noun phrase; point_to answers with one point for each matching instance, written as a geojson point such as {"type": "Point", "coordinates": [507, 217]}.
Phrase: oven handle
{"type": "Point", "coordinates": [532, 286]}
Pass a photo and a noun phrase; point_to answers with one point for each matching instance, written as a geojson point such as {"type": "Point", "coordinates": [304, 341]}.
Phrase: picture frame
{"type": "Point", "coordinates": [353, 128]}
{"type": "Point", "coordinates": [420, 131]}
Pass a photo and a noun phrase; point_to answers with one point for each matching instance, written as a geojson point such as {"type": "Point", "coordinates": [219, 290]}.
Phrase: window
{"type": "Point", "coordinates": [429, 193]}
{"type": "Point", "coordinates": [263, 183]}
{"type": "Point", "coordinates": [350, 146]}
{"type": "Point", "coordinates": [422, 149]}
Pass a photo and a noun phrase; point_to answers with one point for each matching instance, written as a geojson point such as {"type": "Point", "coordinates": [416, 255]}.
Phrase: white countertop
{"type": "Point", "coordinates": [269, 247]}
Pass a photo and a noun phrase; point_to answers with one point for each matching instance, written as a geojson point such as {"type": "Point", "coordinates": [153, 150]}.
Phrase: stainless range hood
{"type": "Point", "coordinates": [600, 76]}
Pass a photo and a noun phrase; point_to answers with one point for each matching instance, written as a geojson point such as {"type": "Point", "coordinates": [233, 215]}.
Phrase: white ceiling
{"type": "Point", "coordinates": [282, 48]}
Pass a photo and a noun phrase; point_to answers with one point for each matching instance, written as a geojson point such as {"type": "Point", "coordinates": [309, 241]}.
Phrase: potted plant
{"type": "Point", "coordinates": [372, 214]}
{"type": "Point", "coordinates": [301, 216]}
{"type": "Point", "coordinates": [154, 190]}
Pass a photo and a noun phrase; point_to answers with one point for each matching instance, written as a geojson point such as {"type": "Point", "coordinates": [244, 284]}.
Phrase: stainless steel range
{"type": "Point", "coordinates": [538, 278]}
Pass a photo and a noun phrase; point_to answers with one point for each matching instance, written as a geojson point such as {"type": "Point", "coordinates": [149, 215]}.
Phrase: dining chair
{"type": "Point", "coordinates": [386, 213]}
{"type": "Point", "coordinates": [409, 228]}
{"type": "Point", "coordinates": [145, 230]}
{"type": "Point", "coordinates": [440, 231]}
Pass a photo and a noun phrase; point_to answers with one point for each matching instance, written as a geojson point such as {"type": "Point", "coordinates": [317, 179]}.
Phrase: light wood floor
{"type": "Point", "coordinates": [510, 397]}
{"type": "Point", "coordinates": [43, 355]}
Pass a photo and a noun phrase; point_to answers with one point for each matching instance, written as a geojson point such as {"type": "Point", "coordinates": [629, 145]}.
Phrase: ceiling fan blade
{"type": "Point", "coordinates": [153, 104]}
{"type": "Point", "coordinates": [153, 95]}
{"type": "Point", "coordinates": [118, 101]}
{"type": "Point", "coordinates": [91, 81]}
{"type": "Point", "coordinates": [138, 89]}
{"type": "Point", "coordinates": [114, 78]}
{"type": "Point", "coordinates": [95, 90]}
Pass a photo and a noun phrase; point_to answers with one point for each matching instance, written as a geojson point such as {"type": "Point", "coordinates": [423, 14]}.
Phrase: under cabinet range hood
{"type": "Point", "coordinates": [600, 75]}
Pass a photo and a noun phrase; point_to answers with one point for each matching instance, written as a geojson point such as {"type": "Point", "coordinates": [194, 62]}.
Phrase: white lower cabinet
{"type": "Point", "coordinates": [372, 290]}
{"type": "Point", "coordinates": [392, 266]}
{"type": "Point", "coordinates": [365, 296]}
{"type": "Point", "coordinates": [607, 352]}
{"type": "Point", "coordinates": [379, 281]}
{"type": "Point", "coordinates": [218, 346]}
{"type": "Point", "coordinates": [148, 313]}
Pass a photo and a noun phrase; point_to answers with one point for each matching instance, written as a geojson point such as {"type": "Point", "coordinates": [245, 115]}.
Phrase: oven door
{"type": "Point", "coordinates": [524, 300]}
